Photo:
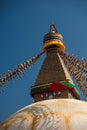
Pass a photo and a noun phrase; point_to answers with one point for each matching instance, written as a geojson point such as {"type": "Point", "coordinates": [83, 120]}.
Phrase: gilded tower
{"type": "Point", "coordinates": [53, 80]}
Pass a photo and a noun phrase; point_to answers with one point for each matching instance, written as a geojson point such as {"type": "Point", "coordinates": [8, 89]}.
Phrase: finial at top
{"type": "Point", "coordinates": [52, 28]}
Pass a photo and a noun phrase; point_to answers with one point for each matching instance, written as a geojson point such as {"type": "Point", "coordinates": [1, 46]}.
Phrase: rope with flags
{"type": "Point", "coordinates": [76, 66]}
{"type": "Point", "coordinates": [11, 74]}
{"type": "Point", "coordinates": [78, 69]}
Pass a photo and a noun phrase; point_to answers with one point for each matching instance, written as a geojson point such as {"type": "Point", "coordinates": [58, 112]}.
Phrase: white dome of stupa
{"type": "Point", "coordinates": [54, 114]}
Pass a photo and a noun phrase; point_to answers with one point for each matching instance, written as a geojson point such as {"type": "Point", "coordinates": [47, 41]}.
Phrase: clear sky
{"type": "Point", "coordinates": [23, 24]}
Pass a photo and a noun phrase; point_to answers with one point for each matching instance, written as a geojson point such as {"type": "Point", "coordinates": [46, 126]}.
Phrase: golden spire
{"type": "Point", "coordinates": [53, 80]}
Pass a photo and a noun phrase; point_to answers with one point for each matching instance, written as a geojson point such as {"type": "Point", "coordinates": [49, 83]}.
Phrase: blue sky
{"type": "Point", "coordinates": [23, 24]}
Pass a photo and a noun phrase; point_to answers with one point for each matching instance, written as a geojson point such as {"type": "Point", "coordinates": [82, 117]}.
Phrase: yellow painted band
{"type": "Point", "coordinates": [54, 42]}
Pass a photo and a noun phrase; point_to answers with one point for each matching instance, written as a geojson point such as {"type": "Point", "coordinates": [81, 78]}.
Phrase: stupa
{"type": "Point", "coordinates": [57, 104]}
